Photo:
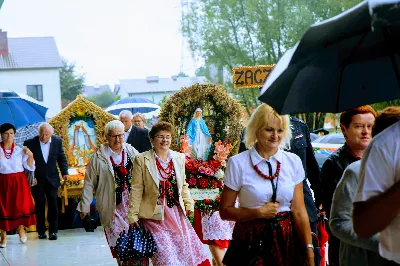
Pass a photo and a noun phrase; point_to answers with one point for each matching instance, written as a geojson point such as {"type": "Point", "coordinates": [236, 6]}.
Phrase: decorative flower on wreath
{"type": "Point", "coordinates": [203, 182]}
{"type": "Point", "coordinates": [207, 206]}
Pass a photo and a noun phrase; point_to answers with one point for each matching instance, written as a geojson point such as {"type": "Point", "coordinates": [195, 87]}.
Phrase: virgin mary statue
{"type": "Point", "coordinates": [199, 136]}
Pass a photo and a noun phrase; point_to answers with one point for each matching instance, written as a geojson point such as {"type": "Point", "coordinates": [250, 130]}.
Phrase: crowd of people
{"type": "Point", "coordinates": [139, 182]}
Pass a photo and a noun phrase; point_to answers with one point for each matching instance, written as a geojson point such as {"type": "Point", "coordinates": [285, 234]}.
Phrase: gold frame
{"type": "Point", "coordinates": [81, 106]}
{"type": "Point", "coordinates": [60, 123]}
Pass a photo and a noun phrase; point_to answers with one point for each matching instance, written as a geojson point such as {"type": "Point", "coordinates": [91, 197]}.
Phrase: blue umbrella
{"type": "Point", "coordinates": [20, 110]}
{"type": "Point", "coordinates": [134, 105]}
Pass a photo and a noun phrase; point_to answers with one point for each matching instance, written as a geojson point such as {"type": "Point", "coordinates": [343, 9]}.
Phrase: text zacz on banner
{"type": "Point", "coordinates": [250, 76]}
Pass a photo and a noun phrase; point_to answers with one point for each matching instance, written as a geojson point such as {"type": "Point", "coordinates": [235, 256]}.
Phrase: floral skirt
{"type": "Point", "coordinates": [120, 223]}
{"type": "Point", "coordinates": [16, 203]}
{"type": "Point", "coordinates": [279, 244]}
{"type": "Point", "coordinates": [212, 230]}
{"type": "Point", "coordinates": [177, 242]}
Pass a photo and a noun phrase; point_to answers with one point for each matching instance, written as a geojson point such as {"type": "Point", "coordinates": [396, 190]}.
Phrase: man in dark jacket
{"type": "Point", "coordinates": [356, 125]}
{"type": "Point", "coordinates": [136, 136]}
{"type": "Point", "coordinates": [48, 152]}
{"type": "Point", "coordinates": [300, 144]}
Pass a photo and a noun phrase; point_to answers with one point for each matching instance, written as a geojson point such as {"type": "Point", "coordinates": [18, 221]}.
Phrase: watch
{"type": "Point", "coordinates": [310, 246]}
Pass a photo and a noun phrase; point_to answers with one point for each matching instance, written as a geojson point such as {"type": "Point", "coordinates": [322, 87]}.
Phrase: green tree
{"type": "Point", "coordinates": [201, 72]}
{"type": "Point", "coordinates": [228, 33]}
{"type": "Point", "coordinates": [182, 75]}
{"type": "Point", "coordinates": [71, 83]}
{"type": "Point", "coordinates": [104, 99]}
{"type": "Point", "coordinates": [163, 101]}
{"type": "Point", "coordinates": [382, 105]}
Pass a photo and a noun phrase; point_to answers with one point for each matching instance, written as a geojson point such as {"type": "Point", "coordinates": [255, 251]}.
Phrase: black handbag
{"type": "Point", "coordinates": [137, 244]}
{"type": "Point", "coordinates": [89, 223]}
{"type": "Point", "coordinates": [241, 253]}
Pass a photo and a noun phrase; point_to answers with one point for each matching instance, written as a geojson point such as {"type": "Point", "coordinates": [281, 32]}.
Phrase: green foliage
{"type": "Point", "coordinates": [228, 33]}
{"type": "Point", "coordinates": [201, 72]}
{"type": "Point", "coordinates": [71, 83]}
{"type": "Point", "coordinates": [104, 99]}
{"type": "Point", "coordinates": [382, 105]}
{"type": "Point", "coordinates": [182, 75]}
{"type": "Point", "coordinates": [163, 101]}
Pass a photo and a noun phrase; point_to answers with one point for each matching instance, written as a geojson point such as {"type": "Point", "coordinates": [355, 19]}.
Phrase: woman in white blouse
{"type": "Point", "coordinates": [268, 182]}
{"type": "Point", "coordinates": [16, 204]}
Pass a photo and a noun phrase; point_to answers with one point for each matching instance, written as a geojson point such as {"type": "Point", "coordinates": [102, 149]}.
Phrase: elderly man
{"type": "Point", "coordinates": [48, 152]}
{"type": "Point", "coordinates": [136, 136]}
{"type": "Point", "coordinates": [139, 120]}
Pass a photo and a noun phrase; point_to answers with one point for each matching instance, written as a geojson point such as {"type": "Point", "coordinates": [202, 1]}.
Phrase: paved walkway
{"type": "Point", "coordinates": [73, 247]}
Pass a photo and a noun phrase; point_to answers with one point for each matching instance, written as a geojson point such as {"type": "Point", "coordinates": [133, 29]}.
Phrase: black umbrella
{"type": "Point", "coordinates": [341, 63]}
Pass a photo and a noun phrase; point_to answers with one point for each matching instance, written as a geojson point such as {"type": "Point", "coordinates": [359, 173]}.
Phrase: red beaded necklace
{"type": "Point", "coordinates": [8, 154]}
{"type": "Point", "coordinates": [268, 177]}
{"type": "Point", "coordinates": [164, 172]}
{"type": "Point", "coordinates": [121, 167]}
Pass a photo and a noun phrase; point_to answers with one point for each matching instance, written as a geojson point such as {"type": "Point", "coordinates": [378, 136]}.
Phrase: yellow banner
{"type": "Point", "coordinates": [250, 76]}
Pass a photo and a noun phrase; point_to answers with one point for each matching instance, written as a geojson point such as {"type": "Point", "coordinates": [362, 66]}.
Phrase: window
{"type": "Point", "coordinates": [35, 91]}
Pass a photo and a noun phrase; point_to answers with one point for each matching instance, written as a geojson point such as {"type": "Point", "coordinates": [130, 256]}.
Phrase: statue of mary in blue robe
{"type": "Point", "coordinates": [199, 136]}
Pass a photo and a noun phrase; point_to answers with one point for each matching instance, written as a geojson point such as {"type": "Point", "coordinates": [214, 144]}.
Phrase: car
{"type": "Point", "coordinates": [326, 145]}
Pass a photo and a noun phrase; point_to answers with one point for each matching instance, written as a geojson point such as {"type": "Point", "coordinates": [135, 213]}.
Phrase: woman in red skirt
{"type": "Point", "coordinates": [16, 204]}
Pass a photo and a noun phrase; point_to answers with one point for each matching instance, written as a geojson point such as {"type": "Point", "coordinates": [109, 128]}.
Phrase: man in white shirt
{"type": "Point", "coordinates": [48, 153]}
{"type": "Point", "coordinates": [377, 207]}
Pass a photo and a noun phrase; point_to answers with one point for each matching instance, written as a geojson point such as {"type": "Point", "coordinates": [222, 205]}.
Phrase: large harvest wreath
{"type": "Point", "coordinates": [223, 116]}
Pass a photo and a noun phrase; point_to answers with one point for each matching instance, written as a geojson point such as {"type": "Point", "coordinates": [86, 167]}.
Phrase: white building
{"type": "Point", "coordinates": [31, 66]}
{"type": "Point", "coordinates": [154, 88]}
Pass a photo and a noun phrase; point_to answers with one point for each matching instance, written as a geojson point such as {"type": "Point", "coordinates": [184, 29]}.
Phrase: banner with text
{"type": "Point", "coordinates": [250, 76]}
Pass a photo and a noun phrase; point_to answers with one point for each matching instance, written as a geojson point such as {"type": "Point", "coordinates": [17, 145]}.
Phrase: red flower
{"type": "Point", "coordinates": [218, 199]}
{"type": "Point", "coordinates": [203, 182]}
{"type": "Point", "coordinates": [214, 164]}
{"type": "Point", "coordinates": [214, 184]}
{"type": "Point", "coordinates": [192, 181]}
{"type": "Point", "coordinates": [220, 184]}
{"type": "Point", "coordinates": [191, 166]}
{"type": "Point", "coordinates": [207, 201]}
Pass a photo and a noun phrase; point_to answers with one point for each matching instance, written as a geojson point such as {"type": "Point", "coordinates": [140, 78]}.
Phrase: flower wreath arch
{"type": "Point", "coordinates": [223, 116]}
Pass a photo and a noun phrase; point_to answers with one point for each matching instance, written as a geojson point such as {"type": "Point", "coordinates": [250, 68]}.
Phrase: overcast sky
{"type": "Point", "coordinates": [108, 40]}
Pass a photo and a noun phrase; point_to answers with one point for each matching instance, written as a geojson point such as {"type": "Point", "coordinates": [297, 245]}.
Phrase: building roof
{"type": "Point", "coordinates": [156, 84]}
{"type": "Point", "coordinates": [89, 91]}
{"type": "Point", "coordinates": [31, 52]}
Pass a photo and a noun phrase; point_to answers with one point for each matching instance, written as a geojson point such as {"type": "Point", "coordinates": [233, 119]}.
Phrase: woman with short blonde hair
{"type": "Point", "coordinates": [261, 118]}
{"type": "Point", "coordinates": [268, 183]}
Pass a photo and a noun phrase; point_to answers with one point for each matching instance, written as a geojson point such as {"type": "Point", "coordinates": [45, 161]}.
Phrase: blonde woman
{"type": "Point", "coordinates": [272, 226]}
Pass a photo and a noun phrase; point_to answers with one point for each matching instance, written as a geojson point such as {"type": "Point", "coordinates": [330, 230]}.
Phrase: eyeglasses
{"type": "Point", "coordinates": [161, 137]}
{"type": "Point", "coordinates": [120, 136]}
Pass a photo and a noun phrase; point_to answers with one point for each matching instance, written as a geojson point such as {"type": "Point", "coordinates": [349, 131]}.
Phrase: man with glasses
{"type": "Point", "coordinates": [136, 136]}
